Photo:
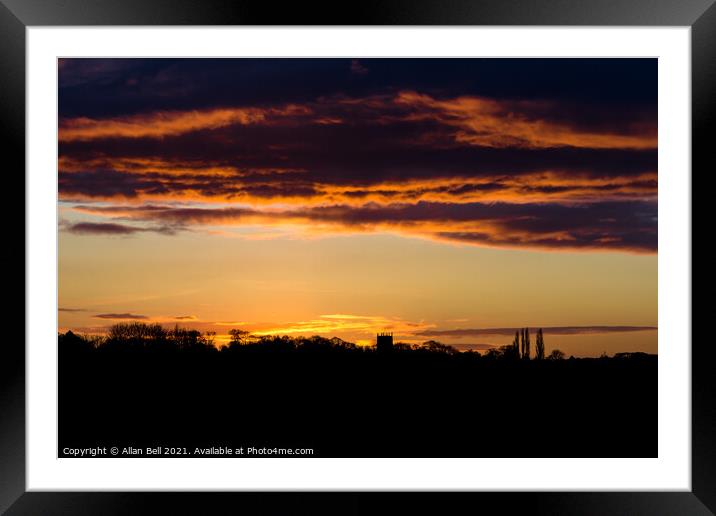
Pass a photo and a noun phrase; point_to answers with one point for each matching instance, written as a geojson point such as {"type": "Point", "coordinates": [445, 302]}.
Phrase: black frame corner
{"type": "Point", "coordinates": [16, 15]}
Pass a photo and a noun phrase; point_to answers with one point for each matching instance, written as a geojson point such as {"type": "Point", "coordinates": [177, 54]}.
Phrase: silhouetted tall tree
{"type": "Point", "coordinates": [526, 343]}
{"type": "Point", "coordinates": [539, 351]}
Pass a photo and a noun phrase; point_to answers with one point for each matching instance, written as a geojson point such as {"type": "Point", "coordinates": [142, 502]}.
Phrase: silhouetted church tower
{"type": "Point", "coordinates": [384, 341]}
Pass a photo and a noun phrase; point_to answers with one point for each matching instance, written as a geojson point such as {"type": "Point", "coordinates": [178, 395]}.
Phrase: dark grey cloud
{"type": "Point", "coordinates": [550, 330]}
{"type": "Point", "coordinates": [111, 87]}
{"type": "Point", "coordinates": [121, 316]}
{"type": "Point", "coordinates": [112, 228]}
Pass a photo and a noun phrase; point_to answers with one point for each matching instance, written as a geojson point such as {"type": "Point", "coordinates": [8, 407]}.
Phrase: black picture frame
{"type": "Point", "coordinates": [16, 15]}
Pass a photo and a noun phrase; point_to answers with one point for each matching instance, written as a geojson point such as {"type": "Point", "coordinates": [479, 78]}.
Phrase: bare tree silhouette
{"type": "Point", "coordinates": [556, 354]}
{"type": "Point", "coordinates": [238, 337]}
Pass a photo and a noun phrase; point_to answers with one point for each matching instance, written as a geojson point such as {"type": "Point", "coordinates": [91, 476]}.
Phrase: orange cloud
{"type": "Point", "coordinates": [475, 121]}
{"type": "Point", "coordinates": [622, 226]}
{"type": "Point", "coordinates": [157, 180]}
{"type": "Point", "coordinates": [495, 123]}
{"type": "Point", "coordinates": [170, 123]}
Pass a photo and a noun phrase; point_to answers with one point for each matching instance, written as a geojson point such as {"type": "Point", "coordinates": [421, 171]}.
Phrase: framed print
{"type": "Point", "coordinates": [417, 248]}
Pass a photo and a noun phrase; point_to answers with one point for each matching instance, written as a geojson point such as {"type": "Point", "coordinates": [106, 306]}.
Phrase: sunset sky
{"type": "Point", "coordinates": [446, 199]}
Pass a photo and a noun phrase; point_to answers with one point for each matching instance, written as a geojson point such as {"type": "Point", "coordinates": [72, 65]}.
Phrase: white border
{"type": "Point", "coordinates": [671, 471]}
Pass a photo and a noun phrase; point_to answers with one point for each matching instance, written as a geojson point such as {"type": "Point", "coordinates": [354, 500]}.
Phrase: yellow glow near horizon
{"type": "Point", "coordinates": [353, 286]}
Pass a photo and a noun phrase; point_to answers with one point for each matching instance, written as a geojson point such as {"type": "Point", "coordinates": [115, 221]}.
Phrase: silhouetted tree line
{"type": "Point", "coordinates": [138, 336]}
{"type": "Point", "coordinates": [141, 336]}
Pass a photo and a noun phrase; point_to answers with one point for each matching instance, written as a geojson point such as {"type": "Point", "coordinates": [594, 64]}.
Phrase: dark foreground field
{"type": "Point", "coordinates": [352, 403]}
